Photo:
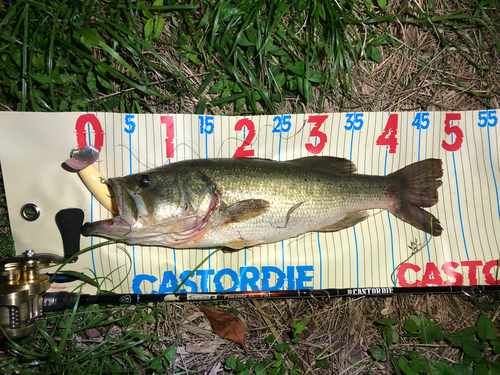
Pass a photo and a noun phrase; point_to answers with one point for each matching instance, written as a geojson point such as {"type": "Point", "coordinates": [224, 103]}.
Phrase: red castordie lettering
{"type": "Point", "coordinates": [432, 275]}
{"type": "Point", "coordinates": [459, 278]}
{"type": "Point", "coordinates": [401, 275]}
{"type": "Point", "coordinates": [488, 275]}
{"type": "Point", "coordinates": [472, 264]}
{"type": "Point", "coordinates": [81, 131]}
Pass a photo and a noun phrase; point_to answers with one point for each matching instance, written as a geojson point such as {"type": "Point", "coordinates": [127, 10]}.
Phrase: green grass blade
{"type": "Point", "coordinates": [195, 269]}
{"type": "Point", "coordinates": [68, 330]}
{"type": "Point", "coordinates": [156, 8]}
{"type": "Point", "coordinates": [24, 98]}
{"type": "Point", "coordinates": [206, 82]}
{"type": "Point", "coordinates": [146, 90]}
{"type": "Point", "coordinates": [110, 51]}
{"type": "Point", "coordinates": [424, 68]}
{"type": "Point", "coordinates": [227, 99]}
{"type": "Point", "coordinates": [50, 63]}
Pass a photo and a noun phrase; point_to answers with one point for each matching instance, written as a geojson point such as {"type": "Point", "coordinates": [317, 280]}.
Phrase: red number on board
{"type": "Point", "coordinates": [81, 131]}
{"type": "Point", "coordinates": [449, 129]}
{"type": "Point", "coordinates": [318, 120]}
{"type": "Point", "coordinates": [242, 152]}
{"type": "Point", "coordinates": [388, 136]}
{"type": "Point", "coordinates": [169, 141]}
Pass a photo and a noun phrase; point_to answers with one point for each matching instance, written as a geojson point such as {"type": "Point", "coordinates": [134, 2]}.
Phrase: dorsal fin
{"type": "Point", "coordinates": [330, 164]}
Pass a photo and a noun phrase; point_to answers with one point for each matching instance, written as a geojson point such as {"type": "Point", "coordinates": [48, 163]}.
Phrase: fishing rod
{"type": "Point", "coordinates": [24, 297]}
{"type": "Point", "coordinates": [66, 300]}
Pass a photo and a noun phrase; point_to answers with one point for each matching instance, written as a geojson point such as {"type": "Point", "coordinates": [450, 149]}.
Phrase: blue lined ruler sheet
{"type": "Point", "coordinates": [378, 252]}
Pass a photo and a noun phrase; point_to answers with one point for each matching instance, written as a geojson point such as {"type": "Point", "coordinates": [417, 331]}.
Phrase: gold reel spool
{"type": "Point", "coordinates": [21, 287]}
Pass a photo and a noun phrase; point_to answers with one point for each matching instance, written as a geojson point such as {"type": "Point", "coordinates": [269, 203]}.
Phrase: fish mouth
{"type": "Point", "coordinates": [130, 206]}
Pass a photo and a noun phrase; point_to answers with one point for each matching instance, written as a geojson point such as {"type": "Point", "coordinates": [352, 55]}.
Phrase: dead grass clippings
{"type": "Point", "coordinates": [345, 327]}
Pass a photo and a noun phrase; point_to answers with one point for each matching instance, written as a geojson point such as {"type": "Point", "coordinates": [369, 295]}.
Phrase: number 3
{"type": "Point", "coordinates": [315, 132]}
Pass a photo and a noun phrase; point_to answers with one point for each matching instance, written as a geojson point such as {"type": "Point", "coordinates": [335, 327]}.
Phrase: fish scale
{"type": "Point", "coordinates": [323, 203]}
{"type": "Point", "coordinates": [242, 202]}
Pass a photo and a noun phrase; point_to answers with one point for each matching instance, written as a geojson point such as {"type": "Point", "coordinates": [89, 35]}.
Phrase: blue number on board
{"type": "Point", "coordinates": [206, 124]}
{"type": "Point", "coordinates": [284, 124]}
{"type": "Point", "coordinates": [131, 124]}
{"type": "Point", "coordinates": [421, 120]}
{"type": "Point", "coordinates": [487, 118]}
{"type": "Point", "coordinates": [352, 119]}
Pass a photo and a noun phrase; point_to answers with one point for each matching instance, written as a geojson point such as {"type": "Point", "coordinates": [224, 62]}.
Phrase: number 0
{"type": "Point", "coordinates": [81, 131]}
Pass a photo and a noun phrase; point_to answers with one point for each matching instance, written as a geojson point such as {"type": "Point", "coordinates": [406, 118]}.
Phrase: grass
{"type": "Point", "coordinates": [245, 57]}
{"type": "Point", "coordinates": [60, 56]}
{"type": "Point", "coordinates": [479, 343]}
{"type": "Point", "coordinates": [93, 340]}
{"type": "Point", "coordinates": [6, 240]}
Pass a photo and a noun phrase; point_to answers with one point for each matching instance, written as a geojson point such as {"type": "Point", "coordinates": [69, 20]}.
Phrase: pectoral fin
{"type": "Point", "coordinates": [245, 210]}
{"type": "Point", "coordinates": [350, 220]}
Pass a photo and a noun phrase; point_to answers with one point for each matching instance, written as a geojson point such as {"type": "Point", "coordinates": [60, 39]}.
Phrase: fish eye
{"type": "Point", "coordinates": [143, 181]}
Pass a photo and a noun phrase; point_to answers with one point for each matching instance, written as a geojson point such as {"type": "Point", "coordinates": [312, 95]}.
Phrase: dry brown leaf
{"type": "Point", "coordinates": [226, 325]}
{"type": "Point", "coordinates": [94, 333]}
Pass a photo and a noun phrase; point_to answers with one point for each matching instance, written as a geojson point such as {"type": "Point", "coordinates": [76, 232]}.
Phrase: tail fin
{"type": "Point", "coordinates": [418, 184]}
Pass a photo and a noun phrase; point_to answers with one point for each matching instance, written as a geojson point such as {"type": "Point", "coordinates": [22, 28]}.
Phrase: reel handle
{"type": "Point", "coordinates": [44, 259]}
{"type": "Point", "coordinates": [70, 221]}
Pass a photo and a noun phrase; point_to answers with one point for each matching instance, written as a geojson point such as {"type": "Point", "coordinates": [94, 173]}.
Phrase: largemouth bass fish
{"type": "Point", "coordinates": [243, 202]}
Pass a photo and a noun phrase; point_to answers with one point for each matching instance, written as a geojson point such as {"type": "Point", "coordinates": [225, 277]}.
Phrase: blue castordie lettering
{"type": "Point", "coordinates": [228, 280]}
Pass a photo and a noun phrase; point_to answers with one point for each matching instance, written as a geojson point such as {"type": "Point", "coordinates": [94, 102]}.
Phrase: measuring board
{"type": "Point", "coordinates": [376, 253]}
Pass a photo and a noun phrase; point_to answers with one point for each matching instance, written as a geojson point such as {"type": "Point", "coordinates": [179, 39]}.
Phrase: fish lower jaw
{"type": "Point", "coordinates": [110, 228]}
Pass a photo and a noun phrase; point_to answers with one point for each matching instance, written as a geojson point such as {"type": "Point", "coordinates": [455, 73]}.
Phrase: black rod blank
{"type": "Point", "coordinates": [64, 300]}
